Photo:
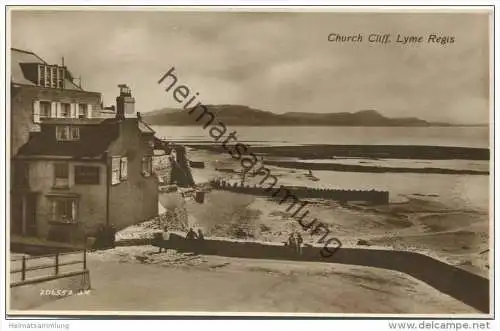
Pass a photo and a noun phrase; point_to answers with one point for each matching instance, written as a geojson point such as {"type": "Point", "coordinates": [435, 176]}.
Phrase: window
{"type": "Point", "coordinates": [41, 110]}
{"type": "Point", "coordinates": [147, 166]}
{"type": "Point", "coordinates": [67, 133]}
{"type": "Point", "coordinates": [65, 110]}
{"type": "Point", "coordinates": [86, 175]}
{"type": "Point", "coordinates": [43, 75]}
{"type": "Point", "coordinates": [82, 111]}
{"type": "Point", "coordinates": [115, 170]}
{"type": "Point", "coordinates": [53, 76]}
{"type": "Point", "coordinates": [61, 175]}
{"type": "Point", "coordinates": [62, 132]}
{"type": "Point", "coordinates": [75, 133]}
{"type": "Point", "coordinates": [119, 169]}
{"type": "Point", "coordinates": [60, 77]}
{"type": "Point", "coordinates": [123, 168]}
{"type": "Point", "coordinates": [45, 107]}
{"type": "Point", "coordinates": [64, 210]}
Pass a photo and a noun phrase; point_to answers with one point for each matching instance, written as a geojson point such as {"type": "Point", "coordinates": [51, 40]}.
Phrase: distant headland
{"type": "Point", "coordinates": [239, 115]}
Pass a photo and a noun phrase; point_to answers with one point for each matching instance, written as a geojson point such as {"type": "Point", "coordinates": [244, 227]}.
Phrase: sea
{"type": "Point", "coordinates": [468, 192]}
{"type": "Point", "coordinates": [477, 137]}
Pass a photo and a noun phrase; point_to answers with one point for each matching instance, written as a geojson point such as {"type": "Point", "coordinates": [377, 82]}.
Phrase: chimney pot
{"type": "Point", "coordinates": [125, 103]}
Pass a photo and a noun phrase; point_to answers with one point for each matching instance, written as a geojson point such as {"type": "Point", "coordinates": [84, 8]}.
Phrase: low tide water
{"type": "Point", "coordinates": [469, 192]}
{"type": "Point", "coordinates": [477, 137]}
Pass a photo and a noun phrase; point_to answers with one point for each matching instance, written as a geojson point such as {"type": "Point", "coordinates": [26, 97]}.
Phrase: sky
{"type": "Point", "coordinates": [275, 61]}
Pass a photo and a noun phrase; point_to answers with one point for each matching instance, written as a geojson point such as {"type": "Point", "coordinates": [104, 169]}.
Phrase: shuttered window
{"type": "Point", "coordinates": [36, 111]}
{"type": "Point", "coordinates": [147, 166]}
{"type": "Point", "coordinates": [123, 168]}
{"type": "Point", "coordinates": [115, 170]}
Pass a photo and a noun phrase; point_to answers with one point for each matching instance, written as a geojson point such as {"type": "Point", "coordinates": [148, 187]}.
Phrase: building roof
{"type": "Point", "coordinates": [144, 127]}
{"type": "Point", "coordinates": [93, 143]}
{"type": "Point", "coordinates": [18, 57]}
{"type": "Point", "coordinates": [77, 121]}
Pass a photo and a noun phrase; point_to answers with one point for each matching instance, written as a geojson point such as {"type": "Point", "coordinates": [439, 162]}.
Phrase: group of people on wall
{"type": "Point", "coordinates": [294, 241]}
{"type": "Point", "coordinates": [192, 235]}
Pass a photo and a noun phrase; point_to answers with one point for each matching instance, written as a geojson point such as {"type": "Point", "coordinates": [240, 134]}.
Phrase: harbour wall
{"type": "Point", "coordinates": [373, 196]}
{"type": "Point", "coordinates": [467, 287]}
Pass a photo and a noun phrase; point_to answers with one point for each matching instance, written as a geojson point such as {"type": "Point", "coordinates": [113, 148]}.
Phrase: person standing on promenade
{"type": "Point", "coordinates": [191, 235]}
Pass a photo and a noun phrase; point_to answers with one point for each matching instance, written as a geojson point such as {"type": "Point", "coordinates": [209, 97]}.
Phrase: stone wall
{"type": "Point", "coordinates": [469, 288]}
{"type": "Point", "coordinates": [301, 192]}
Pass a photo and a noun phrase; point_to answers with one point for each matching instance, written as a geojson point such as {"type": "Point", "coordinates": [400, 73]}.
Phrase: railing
{"type": "Point", "coordinates": [34, 269]}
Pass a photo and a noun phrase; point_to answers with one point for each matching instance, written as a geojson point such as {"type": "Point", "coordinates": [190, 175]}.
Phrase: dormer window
{"type": "Point", "coordinates": [51, 76]}
{"type": "Point", "coordinates": [67, 133]}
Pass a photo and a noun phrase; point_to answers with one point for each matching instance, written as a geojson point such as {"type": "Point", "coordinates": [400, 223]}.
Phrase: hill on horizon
{"type": "Point", "coordinates": [239, 115]}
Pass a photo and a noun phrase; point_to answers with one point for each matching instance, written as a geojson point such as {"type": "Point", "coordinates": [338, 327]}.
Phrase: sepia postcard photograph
{"type": "Point", "coordinates": [267, 161]}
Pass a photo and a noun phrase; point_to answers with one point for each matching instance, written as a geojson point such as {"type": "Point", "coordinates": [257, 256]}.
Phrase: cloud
{"type": "Point", "coordinates": [274, 61]}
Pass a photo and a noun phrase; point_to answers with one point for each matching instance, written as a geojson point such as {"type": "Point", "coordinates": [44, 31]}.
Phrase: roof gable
{"type": "Point", "coordinates": [144, 127]}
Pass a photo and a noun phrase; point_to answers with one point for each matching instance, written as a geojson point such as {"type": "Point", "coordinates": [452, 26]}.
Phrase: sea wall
{"type": "Point", "coordinates": [378, 197]}
{"type": "Point", "coordinates": [469, 288]}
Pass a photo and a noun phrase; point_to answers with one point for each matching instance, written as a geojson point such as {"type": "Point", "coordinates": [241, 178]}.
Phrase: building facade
{"type": "Point", "coordinates": [42, 91]}
{"type": "Point", "coordinates": [77, 174]}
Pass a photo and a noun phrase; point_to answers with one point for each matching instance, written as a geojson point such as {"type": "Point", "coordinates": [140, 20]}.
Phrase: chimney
{"type": "Point", "coordinates": [125, 104]}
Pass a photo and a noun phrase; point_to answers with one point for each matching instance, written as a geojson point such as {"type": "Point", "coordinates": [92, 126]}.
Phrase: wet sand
{"type": "Point", "coordinates": [438, 223]}
{"type": "Point", "coordinates": [319, 151]}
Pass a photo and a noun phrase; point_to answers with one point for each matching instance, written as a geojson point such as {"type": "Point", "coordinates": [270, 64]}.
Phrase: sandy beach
{"type": "Point", "coordinates": [231, 161]}
{"type": "Point", "coordinates": [429, 219]}
{"type": "Point", "coordinates": [435, 217]}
